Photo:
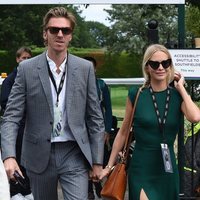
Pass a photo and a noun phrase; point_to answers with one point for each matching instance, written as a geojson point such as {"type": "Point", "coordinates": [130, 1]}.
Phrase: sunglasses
{"type": "Point", "coordinates": [55, 30]}
{"type": "Point", "coordinates": [155, 64]}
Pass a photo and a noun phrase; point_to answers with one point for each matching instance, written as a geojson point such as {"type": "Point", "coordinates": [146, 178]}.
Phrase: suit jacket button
{"type": "Point", "coordinates": [51, 123]}
{"type": "Point", "coordinates": [48, 140]}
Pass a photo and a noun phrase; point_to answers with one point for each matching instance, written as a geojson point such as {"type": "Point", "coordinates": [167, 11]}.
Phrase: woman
{"type": "Point", "coordinates": [153, 173]}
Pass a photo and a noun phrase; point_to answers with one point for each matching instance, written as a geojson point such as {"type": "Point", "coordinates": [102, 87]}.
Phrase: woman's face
{"type": "Point", "coordinates": [158, 66]}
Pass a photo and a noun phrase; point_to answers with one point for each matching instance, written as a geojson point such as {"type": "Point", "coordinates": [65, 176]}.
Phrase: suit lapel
{"type": "Point", "coordinates": [44, 78]}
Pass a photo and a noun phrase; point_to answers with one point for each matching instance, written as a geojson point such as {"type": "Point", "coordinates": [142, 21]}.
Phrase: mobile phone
{"type": "Point", "coordinates": [20, 179]}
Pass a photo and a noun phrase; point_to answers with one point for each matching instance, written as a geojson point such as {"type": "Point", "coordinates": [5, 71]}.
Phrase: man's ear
{"type": "Point", "coordinates": [70, 38]}
{"type": "Point", "coordinates": [44, 35]}
{"type": "Point", "coordinates": [17, 59]}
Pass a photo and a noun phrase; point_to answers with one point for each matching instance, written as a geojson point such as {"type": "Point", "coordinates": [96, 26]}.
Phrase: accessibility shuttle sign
{"type": "Point", "coordinates": [187, 62]}
{"type": "Point", "coordinates": [92, 2]}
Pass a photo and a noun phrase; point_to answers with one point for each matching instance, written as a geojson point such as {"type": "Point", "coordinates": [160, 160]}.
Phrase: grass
{"type": "Point", "coordinates": [118, 99]}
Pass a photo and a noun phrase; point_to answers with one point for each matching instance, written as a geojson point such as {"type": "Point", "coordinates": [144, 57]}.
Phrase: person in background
{"type": "Point", "coordinates": [17, 192]}
{"type": "Point", "coordinates": [22, 53]}
{"type": "Point", "coordinates": [153, 172]}
{"type": "Point", "coordinates": [106, 108]}
{"type": "Point", "coordinates": [64, 128]}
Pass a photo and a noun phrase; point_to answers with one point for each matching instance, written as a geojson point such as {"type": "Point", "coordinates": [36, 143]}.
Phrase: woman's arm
{"type": "Point", "coordinates": [189, 108]}
{"type": "Point", "coordinates": [119, 141]}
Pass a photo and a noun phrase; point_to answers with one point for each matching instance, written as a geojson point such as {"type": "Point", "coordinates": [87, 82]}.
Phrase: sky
{"type": "Point", "coordinates": [95, 12]}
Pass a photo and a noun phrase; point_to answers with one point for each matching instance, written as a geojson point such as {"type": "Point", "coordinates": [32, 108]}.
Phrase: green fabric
{"type": "Point", "coordinates": [146, 170]}
{"type": "Point", "coordinates": [105, 103]}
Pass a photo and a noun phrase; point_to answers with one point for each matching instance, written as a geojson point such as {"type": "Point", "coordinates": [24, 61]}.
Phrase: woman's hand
{"type": "Point", "coordinates": [105, 172]}
{"type": "Point", "coordinates": [178, 80]}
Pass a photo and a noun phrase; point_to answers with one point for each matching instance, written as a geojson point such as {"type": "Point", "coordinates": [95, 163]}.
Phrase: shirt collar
{"type": "Point", "coordinates": [52, 64]}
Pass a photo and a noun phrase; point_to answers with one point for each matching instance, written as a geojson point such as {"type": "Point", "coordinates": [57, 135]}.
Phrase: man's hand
{"type": "Point", "coordinates": [107, 138]}
{"type": "Point", "coordinates": [11, 166]}
{"type": "Point", "coordinates": [95, 173]}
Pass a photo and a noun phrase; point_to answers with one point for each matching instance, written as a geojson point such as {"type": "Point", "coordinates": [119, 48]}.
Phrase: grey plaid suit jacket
{"type": "Point", "coordinates": [31, 94]}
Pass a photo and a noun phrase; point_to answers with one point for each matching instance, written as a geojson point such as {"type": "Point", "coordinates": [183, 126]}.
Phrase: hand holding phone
{"type": "Point", "coordinates": [20, 179]}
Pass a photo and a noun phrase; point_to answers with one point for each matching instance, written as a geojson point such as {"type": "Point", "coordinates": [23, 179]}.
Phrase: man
{"type": "Point", "coordinates": [17, 192]}
{"type": "Point", "coordinates": [106, 108]}
{"type": "Point", "coordinates": [22, 53]}
{"type": "Point", "coordinates": [64, 128]}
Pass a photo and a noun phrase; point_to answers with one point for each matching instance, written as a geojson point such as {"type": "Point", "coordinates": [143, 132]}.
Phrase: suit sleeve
{"type": "Point", "coordinates": [94, 120]}
{"type": "Point", "coordinates": [12, 116]}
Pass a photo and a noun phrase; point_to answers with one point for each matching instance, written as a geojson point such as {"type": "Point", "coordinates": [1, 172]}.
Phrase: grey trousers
{"type": "Point", "coordinates": [66, 165]}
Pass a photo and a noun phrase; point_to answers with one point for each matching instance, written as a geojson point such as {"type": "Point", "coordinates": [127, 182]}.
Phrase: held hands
{"type": "Point", "coordinates": [105, 172]}
{"type": "Point", "coordinates": [98, 173]}
{"type": "Point", "coordinates": [95, 173]}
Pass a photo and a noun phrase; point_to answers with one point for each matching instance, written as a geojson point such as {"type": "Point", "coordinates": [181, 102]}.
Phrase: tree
{"type": "Point", "coordinates": [129, 30]}
{"type": "Point", "coordinates": [192, 20]}
{"type": "Point", "coordinates": [98, 33]}
{"type": "Point", "coordinates": [193, 2]}
{"type": "Point", "coordinates": [22, 25]}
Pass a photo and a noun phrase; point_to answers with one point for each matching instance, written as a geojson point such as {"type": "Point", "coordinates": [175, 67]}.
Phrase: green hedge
{"type": "Point", "coordinates": [108, 65]}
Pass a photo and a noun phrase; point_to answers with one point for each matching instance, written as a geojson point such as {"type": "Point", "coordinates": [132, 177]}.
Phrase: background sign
{"type": "Point", "coordinates": [187, 62]}
{"type": "Point", "coordinates": [92, 2]}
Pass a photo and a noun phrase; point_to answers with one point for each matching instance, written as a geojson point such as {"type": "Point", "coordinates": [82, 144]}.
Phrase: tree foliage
{"type": "Point", "coordinates": [129, 25]}
{"type": "Point", "coordinates": [22, 25]}
{"type": "Point", "coordinates": [193, 2]}
{"type": "Point", "coordinates": [192, 20]}
{"type": "Point", "coordinates": [98, 33]}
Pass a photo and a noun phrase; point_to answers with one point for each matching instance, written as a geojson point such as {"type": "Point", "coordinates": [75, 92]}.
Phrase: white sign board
{"type": "Point", "coordinates": [92, 2]}
{"type": "Point", "coordinates": [187, 62]}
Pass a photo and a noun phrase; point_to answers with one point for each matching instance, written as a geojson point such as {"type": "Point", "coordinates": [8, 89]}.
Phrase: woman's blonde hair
{"type": "Point", "coordinates": [147, 56]}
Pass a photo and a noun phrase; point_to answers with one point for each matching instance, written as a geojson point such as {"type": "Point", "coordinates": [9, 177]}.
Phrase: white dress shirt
{"type": "Point", "coordinates": [64, 136]}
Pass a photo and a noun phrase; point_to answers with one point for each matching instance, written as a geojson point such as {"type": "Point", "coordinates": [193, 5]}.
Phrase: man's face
{"type": "Point", "coordinates": [24, 56]}
{"type": "Point", "coordinates": [58, 34]}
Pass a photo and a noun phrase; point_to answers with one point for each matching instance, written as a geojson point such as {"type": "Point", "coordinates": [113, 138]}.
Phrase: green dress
{"type": "Point", "coordinates": [146, 169]}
